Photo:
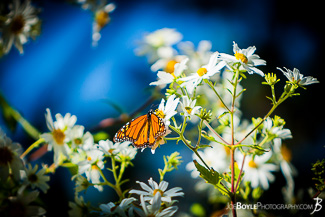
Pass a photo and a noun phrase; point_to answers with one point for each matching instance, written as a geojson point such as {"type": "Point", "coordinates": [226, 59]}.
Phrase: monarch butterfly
{"type": "Point", "coordinates": [142, 131]}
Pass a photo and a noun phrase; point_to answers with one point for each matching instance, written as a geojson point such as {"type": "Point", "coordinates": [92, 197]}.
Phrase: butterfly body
{"type": "Point", "coordinates": [142, 131]}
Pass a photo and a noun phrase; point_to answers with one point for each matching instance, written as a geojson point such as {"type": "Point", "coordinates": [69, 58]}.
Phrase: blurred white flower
{"type": "Point", "coordinates": [217, 157]}
{"type": "Point", "coordinates": [10, 162]}
{"type": "Point", "coordinates": [277, 131]}
{"type": "Point", "coordinates": [79, 208]}
{"type": "Point", "coordinates": [153, 188]}
{"type": "Point", "coordinates": [126, 151]}
{"type": "Point", "coordinates": [169, 110]}
{"type": "Point", "coordinates": [58, 137]}
{"type": "Point", "coordinates": [79, 139]}
{"type": "Point", "coordinates": [283, 155]}
{"type": "Point", "coordinates": [167, 77]}
{"type": "Point", "coordinates": [296, 77]}
{"type": "Point", "coordinates": [111, 209]}
{"type": "Point", "coordinates": [23, 201]}
{"type": "Point", "coordinates": [154, 208]}
{"type": "Point", "coordinates": [188, 106]}
{"type": "Point", "coordinates": [158, 44]}
{"type": "Point", "coordinates": [246, 58]}
{"type": "Point", "coordinates": [35, 178]}
{"type": "Point", "coordinates": [101, 19]}
{"type": "Point", "coordinates": [18, 25]}
{"type": "Point", "coordinates": [92, 165]}
{"type": "Point", "coordinates": [199, 56]}
{"type": "Point", "coordinates": [205, 72]}
{"type": "Point", "coordinates": [257, 171]}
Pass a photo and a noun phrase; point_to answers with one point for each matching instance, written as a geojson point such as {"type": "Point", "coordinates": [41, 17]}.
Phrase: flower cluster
{"type": "Point", "coordinates": [208, 86]}
{"type": "Point", "coordinates": [19, 183]}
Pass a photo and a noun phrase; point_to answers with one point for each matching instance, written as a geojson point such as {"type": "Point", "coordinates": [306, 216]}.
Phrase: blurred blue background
{"type": "Point", "coordinates": [60, 70]}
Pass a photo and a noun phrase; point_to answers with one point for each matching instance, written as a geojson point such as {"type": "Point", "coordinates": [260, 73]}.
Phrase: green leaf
{"type": "Point", "coordinates": [7, 114]}
{"type": "Point", "coordinates": [101, 136]}
{"type": "Point", "coordinates": [73, 168]}
{"type": "Point", "coordinates": [208, 137]}
{"type": "Point", "coordinates": [210, 176]}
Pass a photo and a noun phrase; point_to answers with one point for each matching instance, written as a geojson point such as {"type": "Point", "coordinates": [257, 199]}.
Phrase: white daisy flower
{"type": "Point", "coordinates": [150, 191]}
{"type": "Point", "coordinates": [111, 209]}
{"type": "Point", "coordinates": [79, 207]}
{"type": "Point", "coordinates": [18, 25]}
{"type": "Point", "coordinates": [154, 208]}
{"type": "Point", "coordinates": [101, 19]}
{"type": "Point", "coordinates": [188, 106]}
{"type": "Point", "coordinates": [284, 156]}
{"type": "Point", "coordinates": [246, 58]}
{"type": "Point", "coordinates": [167, 58]}
{"type": "Point", "coordinates": [58, 138]}
{"type": "Point", "coordinates": [109, 148]}
{"type": "Point", "coordinates": [278, 131]}
{"type": "Point", "coordinates": [79, 139]}
{"type": "Point", "coordinates": [92, 165]}
{"type": "Point", "coordinates": [169, 110]}
{"type": "Point", "coordinates": [23, 202]}
{"type": "Point", "coordinates": [10, 162]}
{"type": "Point", "coordinates": [257, 171]}
{"type": "Point", "coordinates": [126, 151]}
{"type": "Point", "coordinates": [205, 72]}
{"type": "Point", "coordinates": [296, 77]}
{"type": "Point", "coordinates": [158, 44]}
{"type": "Point", "coordinates": [35, 178]}
{"type": "Point", "coordinates": [167, 77]}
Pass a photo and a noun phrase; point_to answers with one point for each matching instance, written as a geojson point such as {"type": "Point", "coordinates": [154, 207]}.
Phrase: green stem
{"type": "Point", "coordinates": [214, 90]}
{"type": "Point", "coordinates": [106, 182]}
{"type": "Point", "coordinates": [117, 186]}
{"type": "Point", "coordinates": [232, 150]}
{"type": "Point", "coordinates": [30, 148]}
{"type": "Point", "coordinates": [213, 131]}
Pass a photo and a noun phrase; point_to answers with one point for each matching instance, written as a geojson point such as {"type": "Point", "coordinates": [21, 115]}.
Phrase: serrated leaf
{"type": "Point", "coordinates": [210, 176]}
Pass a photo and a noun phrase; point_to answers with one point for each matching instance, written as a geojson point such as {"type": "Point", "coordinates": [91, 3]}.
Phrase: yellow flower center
{"type": "Point", "coordinates": [201, 71]}
{"type": "Point", "coordinates": [94, 167]}
{"type": "Point", "coordinates": [160, 113]}
{"type": "Point", "coordinates": [88, 158]}
{"type": "Point", "coordinates": [188, 109]}
{"type": "Point", "coordinates": [170, 67]}
{"type": "Point", "coordinates": [17, 25]}
{"type": "Point", "coordinates": [252, 164]}
{"type": "Point", "coordinates": [158, 190]}
{"type": "Point", "coordinates": [242, 57]}
{"type": "Point", "coordinates": [58, 136]}
{"type": "Point", "coordinates": [286, 153]}
{"type": "Point", "coordinates": [102, 18]}
{"type": "Point", "coordinates": [77, 141]}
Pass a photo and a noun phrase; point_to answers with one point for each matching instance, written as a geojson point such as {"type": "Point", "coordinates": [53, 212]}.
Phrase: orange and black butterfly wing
{"type": "Point", "coordinates": [131, 130]}
{"type": "Point", "coordinates": [157, 128]}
